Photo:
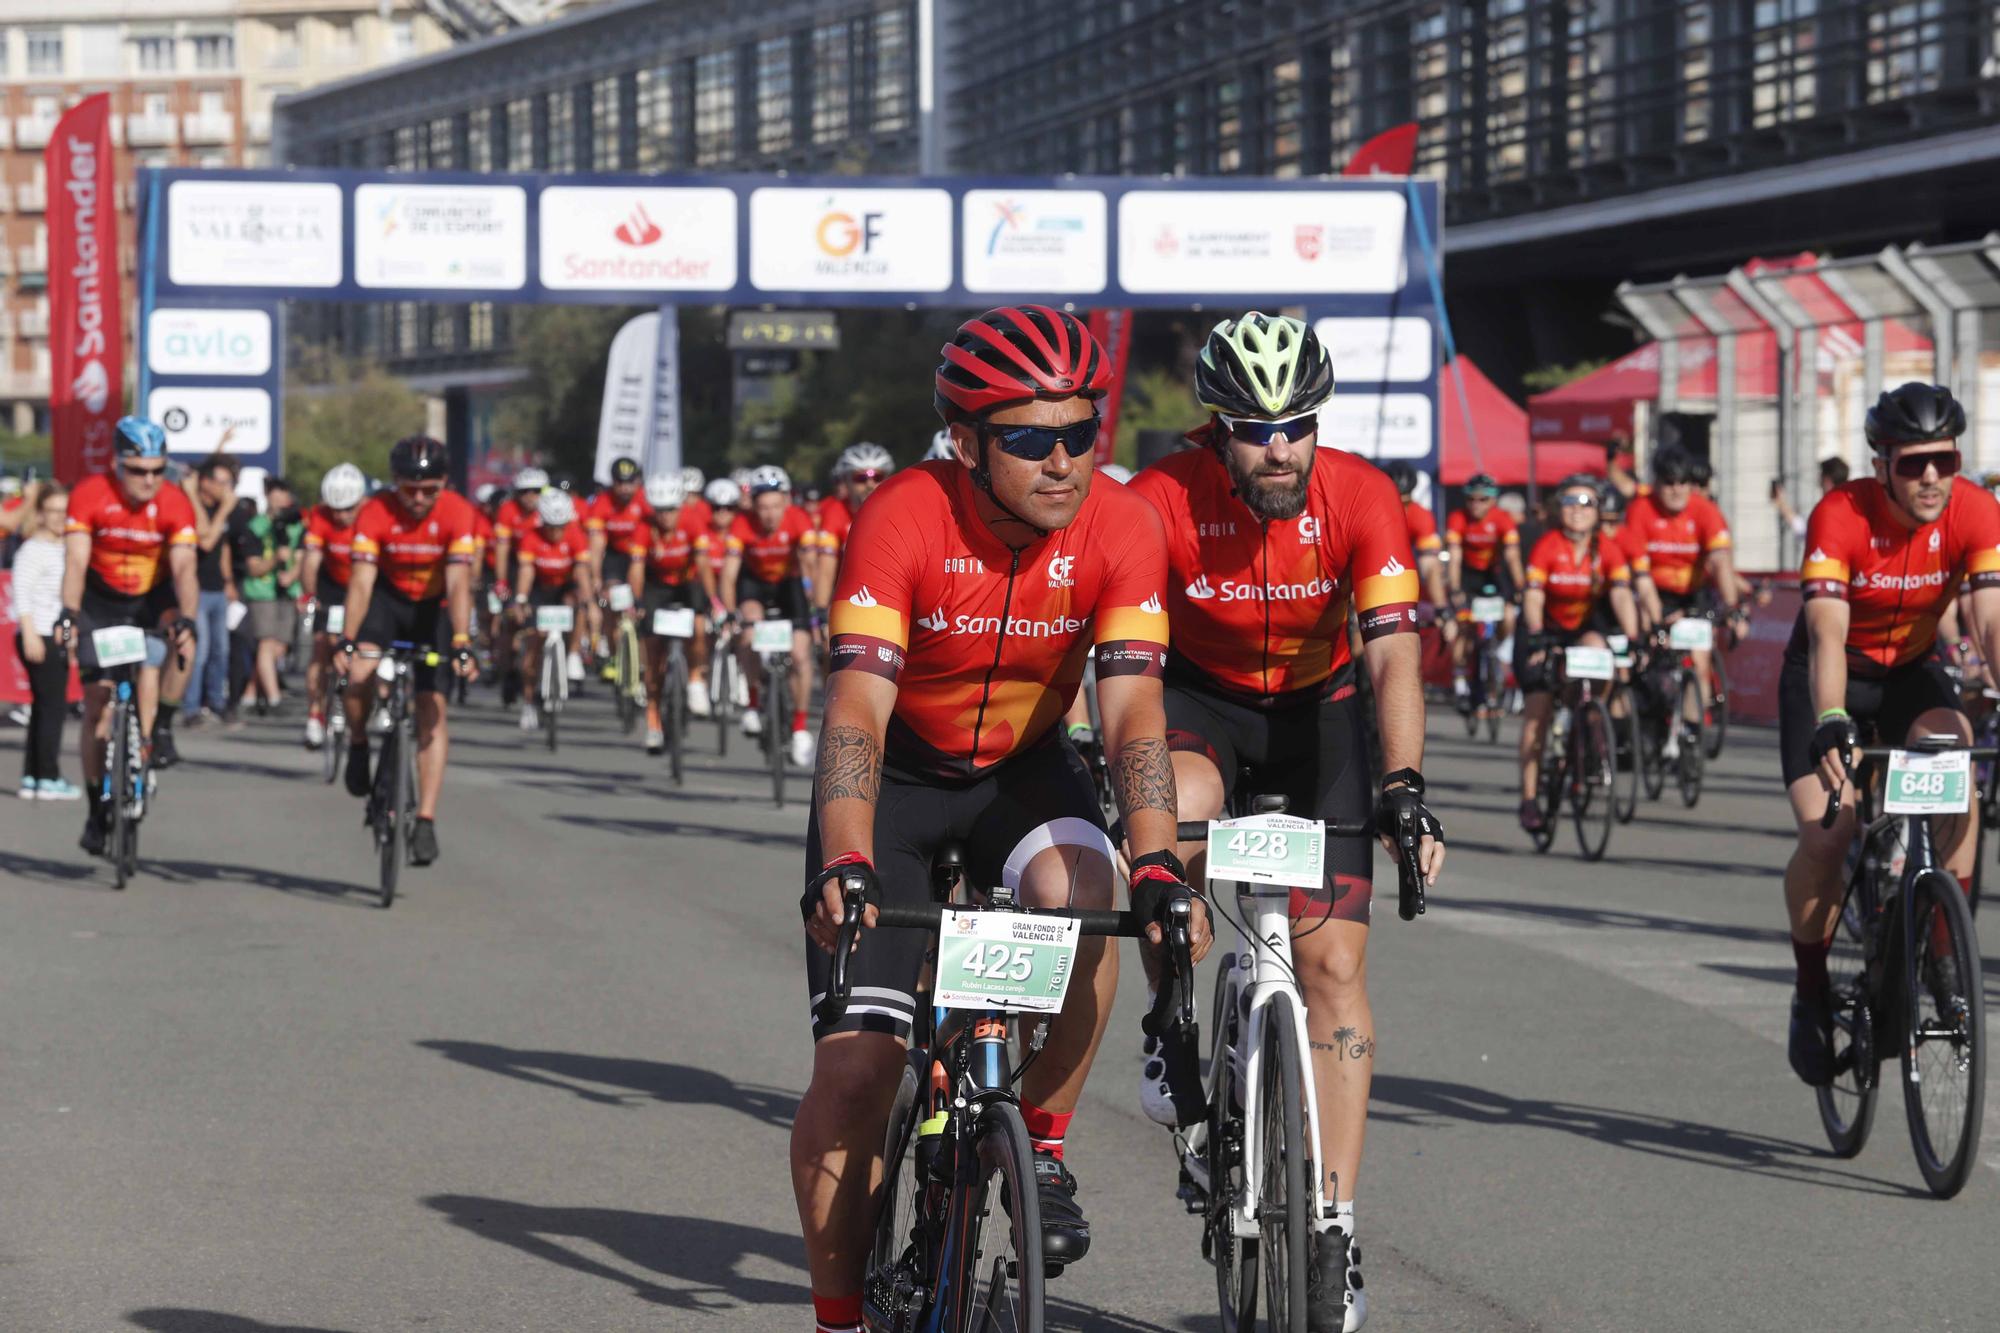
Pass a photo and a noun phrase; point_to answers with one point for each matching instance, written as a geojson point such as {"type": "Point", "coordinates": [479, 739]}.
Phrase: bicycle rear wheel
{"type": "Point", "coordinates": [1283, 1172]}
{"type": "Point", "coordinates": [1553, 776]}
{"type": "Point", "coordinates": [555, 680]}
{"type": "Point", "coordinates": [396, 790]}
{"type": "Point", "coordinates": [1847, 1105]}
{"type": "Point", "coordinates": [1944, 1051]}
{"type": "Point", "coordinates": [896, 1282]}
{"type": "Point", "coordinates": [722, 693]}
{"type": "Point", "coordinates": [1688, 770]}
{"type": "Point", "coordinates": [1718, 709]}
{"type": "Point", "coordinates": [624, 672]}
{"type": "Point", "coordinates": [1593, 778]}
{"type": "Point", "coordinates": [1234, 1257]}
{"type": "Point", "coordinates": [673, 711]}
{"type": "Point", "coordinates": [777, 740]}
{"type": "Point", "coordinates": [995, 1222]}
{"type": "Point", "coordinates": [1627, 781]}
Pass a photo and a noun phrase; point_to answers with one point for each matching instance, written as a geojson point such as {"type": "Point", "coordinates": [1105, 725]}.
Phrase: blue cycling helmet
{"type": "Point", "coordinates": [140, 438]}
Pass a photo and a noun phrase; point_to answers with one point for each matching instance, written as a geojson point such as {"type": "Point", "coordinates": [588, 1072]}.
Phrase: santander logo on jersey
{"type": "Point", "coordinates": [864, 599]}
{"type": "Point", "coordinates": [1200, 590]}
{"type": "Point", "coordinates": [1230, 590]}
{"type": "Point", "coordinates": [934, 621]}
{"type": "Point", "coordinates": [1151, 606]}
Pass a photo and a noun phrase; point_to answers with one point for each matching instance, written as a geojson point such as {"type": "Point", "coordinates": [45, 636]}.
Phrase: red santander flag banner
{"type": "Point", "coordinates": [86, 324]}
{"type": "Point", "coordinates": [1113, 331]}
{"type": "Point", "coordinates": [1393, 152]}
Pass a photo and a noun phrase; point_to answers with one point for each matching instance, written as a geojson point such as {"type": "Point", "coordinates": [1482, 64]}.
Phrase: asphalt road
{"type": "Point", "coordinates": [550, 1089]}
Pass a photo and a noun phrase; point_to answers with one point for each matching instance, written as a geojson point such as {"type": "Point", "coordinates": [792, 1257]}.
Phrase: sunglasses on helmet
{"type": "Point", "coordinates": [1262, 433]}
{"type": "Point", "coordinates": [1032, 444]}
{"type": "Point", "coordinates": [1911, 467]}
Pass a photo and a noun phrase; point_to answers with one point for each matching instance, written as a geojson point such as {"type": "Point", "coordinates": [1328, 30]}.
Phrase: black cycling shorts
{"type": "Point", "coordinates": [661, 596]}
{"type": "Point", "coordinates": [617, 565]}
{"type": "Point", "coordinates": [1541, 679]}
{"type": "Point", "coordinates": [1040, 799]}
{"type": "Point", "coordinates": [1674, 604]}
{"type": "Point", "coordinates": [102, 608]}
{"type": "Point", "coordinates": [1493, 581]}
{"type": "Point", "coordinates": [393, 618]}
{"type": "Point", "coordinates": [1313, 753]}
{"type": "Point", "coordinates": [542, 594]}
{"type": "Point", "coordinates": [783, 600]}
{"type": "Point", "coordinates": [328, 594]}
{"type": "Point", "coordinates": [1893, 703]}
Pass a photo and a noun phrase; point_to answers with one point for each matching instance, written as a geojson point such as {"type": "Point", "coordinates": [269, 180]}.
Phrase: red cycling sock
{"type": "Point", "coordinates": [1046, 1128]}
{"type": "Point", "coordinates": [798, 719]}
{"type": "Point", "coordinates": [837, 1314]}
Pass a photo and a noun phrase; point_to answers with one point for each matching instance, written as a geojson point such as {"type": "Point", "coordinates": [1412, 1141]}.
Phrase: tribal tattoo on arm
{"type": "Point", "coordinates": [850, 765]}
{"type": "Point", "coordinates": [1145, 776]}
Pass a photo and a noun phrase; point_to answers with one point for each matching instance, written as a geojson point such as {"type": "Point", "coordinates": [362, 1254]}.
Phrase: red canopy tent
{"type": "Point", "coordinates": [1500, 429]}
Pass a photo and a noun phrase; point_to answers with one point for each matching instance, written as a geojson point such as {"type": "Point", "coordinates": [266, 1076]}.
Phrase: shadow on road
{"type": "Point", "coordinates": [1414, 1101]}
{"type": "Point", "coordinates": [652, 828]}
{"type": "Point", "coordinates": [190, 872]}
{"type": "Point", "coordinates": [167, 1319]}
{"type": "Point", "coordinates": [45, 870]}
{"type": "Point", "coordinates": [700, 1254]}
{"type": "Point", "coordinates": [1616, 919]}
{"type": "Point", "coordinates": [643, 1080]}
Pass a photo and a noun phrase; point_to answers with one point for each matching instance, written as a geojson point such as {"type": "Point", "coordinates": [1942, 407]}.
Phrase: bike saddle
{"type": "Point", "coordinates": [947, 869]}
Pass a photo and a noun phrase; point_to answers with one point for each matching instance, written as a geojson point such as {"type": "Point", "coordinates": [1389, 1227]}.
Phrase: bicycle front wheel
{"type": "Point", "coordinates": [1283, 1171]}
{"type": "Point", "coordinates": [673, 712]}
{"type": "Point", "coordinates": [995, 1223]}
{"type": "Point", "coordinates": [722, 693]}
{"type": "Point", "coordinates": [1847, 1105]}
{"type": "Point", "coordinates": [1234, 1256]}
{"type": "Point", "coordinates": [1593, 777]}
{"type": "Point", "coordinates": [1626, 728]}
{"type": "Point", "coordinates": [1688, 772]}
{"type": "Point", "coordinates": [1553, 776]}
{"type": "Point", "coordinates": [397, 791]}
{"type": "Point", "coordinates": [777, 740]}
{"type": "Point", "coordinates": [897, 1270]}
{"type": "Point", "coordinates": [1944, 1049]}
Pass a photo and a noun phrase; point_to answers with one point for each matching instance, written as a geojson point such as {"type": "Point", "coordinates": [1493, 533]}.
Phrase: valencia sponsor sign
{"type": "Point", "coordinates": [624, 238]}
{"type": "Point", "coordinates": [233, 233]}
{"type": "Point", "coordinates": [1281, 242]}
{"type": "Point", "coordinates": [86, 330]}
{"type": "Point", "coordinates": [472, 237]}
{"type": "Point", "coordinates": [857, 240]}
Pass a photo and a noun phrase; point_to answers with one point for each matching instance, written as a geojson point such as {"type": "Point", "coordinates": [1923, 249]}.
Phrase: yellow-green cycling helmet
{"type": "Point", "coordinates": [1267, 367]}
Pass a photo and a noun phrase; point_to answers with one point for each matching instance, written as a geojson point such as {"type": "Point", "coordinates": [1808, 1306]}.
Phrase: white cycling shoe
{"type": "Point", "coordinates": [804, 748]}
{"type": "Point", "coordinates": [315, 733]}
{"type": "Point", "coordinates": [576, 668]}
{"type": "Point", "coordinates": [530, 719]}
{"type": "Point", "coordinates": [698, 705]}
{"type": "Point", "coordinates": [1335, 1302]}
{"type": "Point", "coordinates": [753, 722]}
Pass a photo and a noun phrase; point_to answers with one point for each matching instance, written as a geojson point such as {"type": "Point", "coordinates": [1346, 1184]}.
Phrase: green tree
{"type": "Point", "coordinates": [877, 387]}
{"type": "Point", "coordinates": [341, 410]}
{"type": "Point", "coordinates": [1553, 376]}
{"type": "Point", "coordinates": [18, 453]}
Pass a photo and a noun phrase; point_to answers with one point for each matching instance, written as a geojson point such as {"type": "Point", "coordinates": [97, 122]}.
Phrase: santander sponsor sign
{"type": "Point", "coordinates": [622, 238]}
{"type": "Point", "coordinates": [86, 337]}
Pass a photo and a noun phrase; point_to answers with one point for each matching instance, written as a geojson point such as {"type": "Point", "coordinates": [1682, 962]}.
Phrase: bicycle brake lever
{"type": "Point", "coordinates": [832, 1006]}
{"type": "Point", "coordinates": [1409, 880]}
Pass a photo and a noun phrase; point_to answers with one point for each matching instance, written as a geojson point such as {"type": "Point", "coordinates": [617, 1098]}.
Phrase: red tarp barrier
{"type": "Point", "coordinates": [1501, 430]}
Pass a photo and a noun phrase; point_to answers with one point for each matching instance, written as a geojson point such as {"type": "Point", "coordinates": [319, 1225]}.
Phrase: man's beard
{"type": "Point", "coordinates": [1272, 496]}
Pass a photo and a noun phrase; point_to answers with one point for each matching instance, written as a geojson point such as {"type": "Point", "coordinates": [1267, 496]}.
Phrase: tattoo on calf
{"type": "Point", "coordinates": [850, 765]}
{"type": "Point", "coordinates": [1145, 776]}
{"type": "Point", "coordinates": [1348, 1044]}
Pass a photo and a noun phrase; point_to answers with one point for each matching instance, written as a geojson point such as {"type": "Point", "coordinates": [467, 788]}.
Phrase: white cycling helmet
{"type": "Point", "coordinates": [343, 487]}
{"type": "Point", "coordinates": [863, 457]}
{"type": "Point", "coordinates": [1116, 472]}
{"type": "Point", "coordinates": [531, 479]}
{"type": "Point", "coordinates": [665, 492]}
{"type": "Point", "coordinates": [722, 493]}
{"type": "Point", "coordinates": [769, 478]}
{"type": "Point", "coordinates": [692, 482]}
{"type": "Point", "coordinates": [941, 447]}
{"type": "Point", "coordinates": [485, 493]}
{"type": "Point", "coordinates": [556, 508]}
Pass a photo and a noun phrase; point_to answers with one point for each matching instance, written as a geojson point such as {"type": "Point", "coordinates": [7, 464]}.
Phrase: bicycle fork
{"type": "Point", "coordinates": [1270, 977]}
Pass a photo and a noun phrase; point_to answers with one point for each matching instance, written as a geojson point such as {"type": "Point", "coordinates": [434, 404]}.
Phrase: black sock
{"type": "Point", "coordinates": [1811, 959]}
{"type": "Point", "coordinates": [165, 721]}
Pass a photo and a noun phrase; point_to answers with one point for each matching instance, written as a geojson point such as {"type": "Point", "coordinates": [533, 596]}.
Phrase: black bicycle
{"type": "Point", "coordinates": [392, 804]}
{"type": "Point", "coordinates": [127, 784]}
{"type": "Point", "coordinates": [958, 1242]}
{"type": "Point", "coordinates": [1579, 759]}
{"type": "Point", "coordinates": [1906, 976]}
{"type": "Point", "coordinates": [776, 667]}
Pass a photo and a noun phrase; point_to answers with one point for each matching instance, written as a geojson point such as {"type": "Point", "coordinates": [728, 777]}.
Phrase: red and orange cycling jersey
{"type": "Point", "coordinates": [1629, 546]}
{"type": "Point", "coordinates": [513, 519]}
{"type": "Point", "coordinates": [772, 557]}
{"type": "Point", "coordinates": [412, 552]}
{"type": "Point", "coordinates": [624, 526]}
{"type": "Point", "coordinates": [1482, 539]}
{"type": "Point", "coordinates": [835, 523]}
{"type": "Point", "coordinates": [696, 515]}
{"type": "Point", "coordinates": [986, 643]}
{"type": "Point", "coordinates": [670, 555]}
{"type": "Point", "coordinates": [1897, 582]}
{"type": "Point", "coordinates": [129, 542]}
{"type": "Point", "coordinates": [334, 542]}
{"type": "Point", "coordinates": [1571, 582]}
{"type": "Point", "coordinates": [554, 555]}
{"type": "Point", "coordinates": [1261, 608]}
{"type": "Point", "coordinates": [1676, 545]}
{"type": "Point", "coordinates": [1422, 529]}
{"type": "Point", "coordinates": [482, 537]}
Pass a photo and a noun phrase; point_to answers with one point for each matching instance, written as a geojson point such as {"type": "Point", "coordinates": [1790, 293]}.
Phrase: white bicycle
{"type": "Point", "coordinates": [1248, 1166]}
{"type": "Point", "coordinates": [553, 622]}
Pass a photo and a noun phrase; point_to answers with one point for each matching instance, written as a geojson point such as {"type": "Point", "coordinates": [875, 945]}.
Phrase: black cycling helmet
{"type": "Point", "coordinates": [1671, 467]}
{"type": "Point", "coordinates": [1481, 484]}
{"type": "Point", "coordinates": [1404, 476]}
{"type": "Point", "coordinates": [1699, 472]}
{"type": "Point", "coordinates": [1264, 367]}
{"type": "Point", "coordinates": [1915, 413]}
{"type": "Point", "coordinates": [419, 458]}
{"type": "Point", "coordinates": [1610, 503]}
{"type": "Point", "coordinates": [625, 470]}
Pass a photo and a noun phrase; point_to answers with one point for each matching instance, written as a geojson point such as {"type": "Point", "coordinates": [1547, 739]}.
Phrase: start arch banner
{"type": "Point", "coordinates": [1354, 251]}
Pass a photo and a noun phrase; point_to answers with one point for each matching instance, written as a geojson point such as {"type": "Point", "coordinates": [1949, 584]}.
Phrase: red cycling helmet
{"type": "Point", "coordinates": [1013, 354]}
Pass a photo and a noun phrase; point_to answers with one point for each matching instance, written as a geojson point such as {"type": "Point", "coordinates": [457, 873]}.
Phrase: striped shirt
{"type": "Point", "coordinates": [38, 572]}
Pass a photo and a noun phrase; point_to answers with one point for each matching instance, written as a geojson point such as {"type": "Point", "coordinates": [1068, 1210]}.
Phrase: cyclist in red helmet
{"type": "Point", "coordinates": [969, 593]}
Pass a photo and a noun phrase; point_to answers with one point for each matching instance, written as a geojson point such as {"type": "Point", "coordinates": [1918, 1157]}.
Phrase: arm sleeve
{"type": "Point", "coordinates": [1828, 566]}
{"type": "Point", "coordinates": [1131, 615]}
{"type": "Point", "coordinates": [1381, 566]}
{"type": "Point", "coordinates": [869, 622]}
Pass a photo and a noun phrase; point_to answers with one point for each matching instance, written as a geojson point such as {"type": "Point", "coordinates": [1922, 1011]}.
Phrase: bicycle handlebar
{"type": "Point", "coordinates": [1410, 882]}
{"type": "Point", "coordinates": [1977, 753]}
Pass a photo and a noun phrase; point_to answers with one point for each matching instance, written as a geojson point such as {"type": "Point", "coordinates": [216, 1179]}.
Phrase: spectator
{"type": "Point", "coordinates": [270, 587]}
{"type": "Point", "coordinates": [38, 573]}
{"type": "Point", "coordinates": [1832, 473]}
{"type": "Point", "coordinates": [13, 518]}
{"type": "Point", "coordinates": [213, 490]}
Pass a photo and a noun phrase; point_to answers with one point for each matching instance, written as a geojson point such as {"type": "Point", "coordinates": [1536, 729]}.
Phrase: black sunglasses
{"type": "Point", "coordinates": [1911, 467]}
{"type": "Point", "coordinates": [131, 471]}
{"type": "Point", "coordinates": [1032, 444]}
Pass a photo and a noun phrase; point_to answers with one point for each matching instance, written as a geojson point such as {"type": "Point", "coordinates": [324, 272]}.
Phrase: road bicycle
{"type": "Point", "coordinates": [771, 640]}
{"type": "Point", "coordinates": [628, 659]}
{"type": "Point", "coordinates": [1579, 761]}
{"type": "Point", "coordinates": [675, 624]}
{"type": "Point", "coordinates": [1491, 697]}
{"type": "Point", "coordinates": [392, 802]}
{"type": "Point", "coordinates": [1624, 730]}
{"type": "Point", "coordinates": [723, 673]}
{"type": "Point", "coordinates": [958, 1241]}
{"type": "Point", "coordinates": [333, 690]}
{"type": "Point", "coordinates": [553, 623]}
{"type": "Point", "coordinates": [1905, 965]}
{"type": "Point", "coordinates": [1672, 731]}
{"type": "Point", "coordinates": [1248, 1166]}
{"type": "Point", "coordinates": [128, 784]}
